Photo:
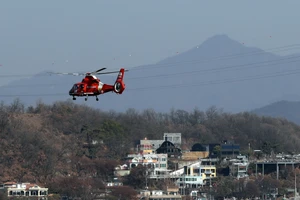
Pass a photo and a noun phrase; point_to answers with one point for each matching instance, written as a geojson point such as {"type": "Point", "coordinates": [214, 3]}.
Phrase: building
{"type": "Point", "coordinates": [157, 164]}
{"type": "Point", "coordinates": [169, 148]}
{"type": "Point", "coordinates": [150, 160]}
{"type": "Point", "coordinates": [239, 167]}
{"type": "Point", "coordinates": [229, 149]}
{"type": "Point", "coordinates": [114, 183]}
{"type": "Point", "coordinates": [175, 138]}
{"type": "Point", "coordinates": [170, 193]}
{"type": "Point", "coordinates": [8, 184]}
{"type": "Point", "coordinates": [200, 147]}
{"type": "Point", "coordinates": [27, 190]}
{"type": "Point", "coordinates": [212, 149]}
{"type": "Point", "coordinates": [150, 146]}
{"type": "Point", "coordinates": [196, 174]}
{"type": "Point", "coordinates": [122, 170]}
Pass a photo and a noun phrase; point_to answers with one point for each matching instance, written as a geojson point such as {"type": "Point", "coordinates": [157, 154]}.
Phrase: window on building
{"type": "Point", "coordinates": [163, 165]}
{"type": "Point", "coordinates": [43, 192]}
{"type": "Point", "coordinates": [34, 193]}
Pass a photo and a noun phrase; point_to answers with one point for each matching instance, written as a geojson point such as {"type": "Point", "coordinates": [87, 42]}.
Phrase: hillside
{"type": "Point", "coordinates": [284, 109]}
{"type": "Point", "coordinates": [55, 144]}
{"type": "Point", "coordinates": [219, 72]}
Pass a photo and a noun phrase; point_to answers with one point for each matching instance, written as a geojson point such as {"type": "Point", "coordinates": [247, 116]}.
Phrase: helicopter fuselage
{"type": "Point", "coordinates": [92, 86]}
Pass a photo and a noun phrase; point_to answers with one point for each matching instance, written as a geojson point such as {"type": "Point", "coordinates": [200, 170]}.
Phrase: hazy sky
{"type": "Point", "coordinates": [73, 35]}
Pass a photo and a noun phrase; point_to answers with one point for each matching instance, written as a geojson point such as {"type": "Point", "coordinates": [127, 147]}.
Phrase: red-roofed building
{"type": "Point", "coordinates": [9, 184]}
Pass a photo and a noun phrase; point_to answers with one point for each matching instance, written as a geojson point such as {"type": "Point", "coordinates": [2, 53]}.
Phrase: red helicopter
{"type": "Point", "coordinates": [92, 86]}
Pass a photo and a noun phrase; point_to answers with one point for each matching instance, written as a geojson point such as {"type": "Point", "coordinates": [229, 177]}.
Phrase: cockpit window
{"type": "Point", "coordinates": [75, 87]}
{"type": "Point", "coordinates": [81, 86]}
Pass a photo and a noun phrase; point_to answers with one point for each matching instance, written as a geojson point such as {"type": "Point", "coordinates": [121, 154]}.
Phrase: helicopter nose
{"type": "Point", "coordinates": [71, 91]}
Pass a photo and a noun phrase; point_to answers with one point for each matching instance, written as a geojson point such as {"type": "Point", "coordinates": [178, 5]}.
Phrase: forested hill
{"type": "Point", "coordinates": [48, 144]}
{"type": "Point", "coordinates": [285, 109]}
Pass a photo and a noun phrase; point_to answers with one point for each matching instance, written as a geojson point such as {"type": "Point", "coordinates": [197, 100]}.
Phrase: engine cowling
{"type": "Point", "coordinates": [119, 87]}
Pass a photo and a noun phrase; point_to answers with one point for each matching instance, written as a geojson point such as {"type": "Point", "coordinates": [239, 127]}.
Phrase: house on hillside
{"type": "Point", "coordinates": [157, 164]}
{"type": "Point", "coordinates": [8, 184]}
{"type": "Point", "coordinates": [169, 193]}
{"type": "Point", "coordinates": [210, 149]}
{"type": "Point", "coordinates": [239, 167]}
{"type": "Point", "coordinates": [169, 148]}
{"type": "Point", "coordinates": [197, 174]}
{"type": "Point", "coordinates": [230, 149]}
{"type": "Point", "coordinates": [175, 138]}
{"type": "Point", "coordinates": [114, 183]}
{"type": "Point", "coordinates": [27, 190]}
{"type": "Point", "coordinates": [147, 146]}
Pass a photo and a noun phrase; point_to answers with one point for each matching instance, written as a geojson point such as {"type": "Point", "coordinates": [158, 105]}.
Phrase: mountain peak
{"type": "Point", "coordinates": [215, 46]}
{"type": "Point", "coordinates": [221, 40]}
{"type": "Point", "coordinates": [220, 37]}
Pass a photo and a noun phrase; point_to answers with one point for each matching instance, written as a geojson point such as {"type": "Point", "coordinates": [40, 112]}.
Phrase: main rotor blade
{"type": "Point", "coordinates": [98, 70]}
{"type": "Point", "coordinates": [112, 72]}
{"type": "Point", "coordinates": [73, 74]}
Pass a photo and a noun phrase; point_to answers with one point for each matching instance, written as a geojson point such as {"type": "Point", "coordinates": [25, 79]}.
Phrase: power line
{"type": "Point", "coordinates": [286, 60]}
{"type": "Point", "coordinates": [283, 60]}
{"type": "Point", "coordinates": [174, 86]}
{"type": "Point", "coordinates": [243, 66]}
{"type": "Point", "coordinates": [35, 95]}
{"type": "Point", "coordinates": [205, 83]}
{"type": "Point", "coordinates": [152, 66]}
{"type": "Point", "coordinates": [226, 57]}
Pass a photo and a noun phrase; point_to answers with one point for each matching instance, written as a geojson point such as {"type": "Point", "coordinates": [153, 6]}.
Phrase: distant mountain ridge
{"type": "Point", "coordinates": [289, 110]}
{"type": "Point", "coordinates": [220, 72]}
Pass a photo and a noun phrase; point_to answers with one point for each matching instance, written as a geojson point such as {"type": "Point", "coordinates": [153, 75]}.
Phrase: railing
{"type": "Point", "coordinates": [164, 176]}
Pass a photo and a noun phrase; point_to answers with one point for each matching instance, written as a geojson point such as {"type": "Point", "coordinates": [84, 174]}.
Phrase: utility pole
{"type": "Point", "coordinates": [146, 172]}
{"type": "Point", "coordinates": [210, 187]}
{"type": "Point", "coordinates": [295, 184]}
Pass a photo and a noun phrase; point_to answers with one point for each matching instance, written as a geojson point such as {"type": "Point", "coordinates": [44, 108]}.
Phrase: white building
{"type": "Point", "coordinates": [171, 193]}
{"type": "Point", "coordinates": [196, 175]}
{"type": "Point", "coordinates": [27, 190]}
{"type": "Point", "coordinates": [239, 167]}
{"type": "Point", "coordinates": [157, 163]}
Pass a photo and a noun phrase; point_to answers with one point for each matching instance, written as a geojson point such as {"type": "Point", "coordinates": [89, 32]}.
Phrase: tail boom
{"type": "Point", "coordinates": [119, 85]}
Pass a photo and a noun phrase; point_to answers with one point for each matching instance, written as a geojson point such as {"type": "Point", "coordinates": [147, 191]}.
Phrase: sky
{"type": "Point", "coordinates": [75, 35]}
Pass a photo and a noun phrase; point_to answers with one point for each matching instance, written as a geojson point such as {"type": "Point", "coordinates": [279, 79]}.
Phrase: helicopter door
{"type": "Point", "coordinates": [100, 86]}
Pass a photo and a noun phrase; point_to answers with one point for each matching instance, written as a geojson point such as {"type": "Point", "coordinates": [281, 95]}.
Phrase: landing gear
{"type": "Point", "coordinates": [86, 98]}
{"type": "Point", "coordinates": [97, 98]}
{"type": "Point", "coordinates": [74, 98]}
